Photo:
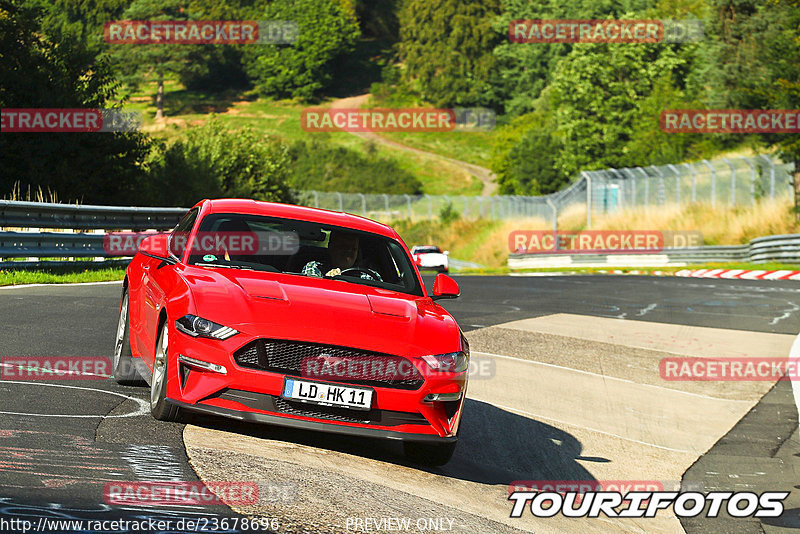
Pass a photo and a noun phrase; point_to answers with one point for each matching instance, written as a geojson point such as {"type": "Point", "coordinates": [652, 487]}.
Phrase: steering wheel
{"type": "Point", "coordinates": [368, 272]}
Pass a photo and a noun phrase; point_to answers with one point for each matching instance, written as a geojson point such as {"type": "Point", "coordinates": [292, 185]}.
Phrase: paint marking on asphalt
{"type": "Point", "coordinates": [144, 406]}
{"type": "Point", "coordinates": [648, 308]}
{"type": "Point", "coordinates": [787, 313]}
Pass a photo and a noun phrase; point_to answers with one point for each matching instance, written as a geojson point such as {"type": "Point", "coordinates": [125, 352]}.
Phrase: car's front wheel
{"type": "Point", "coordinates": [159, 407]}
{"type": "Point", "coordinates": [432, 454]}
{"type": "Point", "coordinates": [122, 360]}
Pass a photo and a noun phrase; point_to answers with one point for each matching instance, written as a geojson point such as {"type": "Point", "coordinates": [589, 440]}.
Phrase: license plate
{"type": "Point", "coordinates": [327, 394]}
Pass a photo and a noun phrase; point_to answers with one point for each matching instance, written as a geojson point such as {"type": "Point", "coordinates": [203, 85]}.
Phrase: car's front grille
{"type": "Point", "coordinates": [322, 412]}
{"type": "Point", "coordinates": [298, 358]}
{"type": "Point", "coordinates": [274, 403]}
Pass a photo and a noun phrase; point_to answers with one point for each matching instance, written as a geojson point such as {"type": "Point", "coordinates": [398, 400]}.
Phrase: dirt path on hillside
{"type": "Point", "coordinates": [481, 173]}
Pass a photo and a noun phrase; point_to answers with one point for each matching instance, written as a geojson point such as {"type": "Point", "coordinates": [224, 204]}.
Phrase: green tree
{"type": "Point", "coordinates": [648, 144]}
{"type": "Point", "coordinates": [216, 66]}
{"type": "Point", "coordinates": [752, 61]}
{"type": "Point", "coordinates": [140, 61]}
{"type": "Point", "coordinates": [328, 29]}
{"type": "Point", "coordinates": [525, 151]}
{"type": "Point", "coordinates": [378, 19]}
{"type": "Point", "coordinates": [446, 47]}
{"type": "Point", "coordinates": [320, 165]}
{"type": "Point", "coordinates": [597, 92]}
{"type": "Point", "coordinates": [213, 161]}
{"type": "Point", "coordinates": [50, 66]}
{"type": "Point", "coordinates": [525, 69]}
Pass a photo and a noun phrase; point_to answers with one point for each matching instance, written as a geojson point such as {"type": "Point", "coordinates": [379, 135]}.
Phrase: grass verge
{"type": "Point", "coordinates": [281, 118]}
{"type": "Point", "coordinates": [60, 275]}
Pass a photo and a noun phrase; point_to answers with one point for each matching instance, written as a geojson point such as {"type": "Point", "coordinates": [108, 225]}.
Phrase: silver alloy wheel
{"type": "Point", "coordinates": [121, 325]}
{"type": "Point", "coordinates": [159, 368]}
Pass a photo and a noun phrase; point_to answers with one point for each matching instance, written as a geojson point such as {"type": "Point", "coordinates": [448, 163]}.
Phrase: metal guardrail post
{"type": "Point", "coordinates": [661, 193]}
{"type": "Point", "coordinates": [316, 199]}
{"type": "Point", "coordinates": [733, 180]}
{"type": "Point", "coordinates": [555, 215]}
{"type": "Point", "coordinates": [752, 179]}
{"type": "Point", "coordinates": [620, 188]}
{"type": "Point", "coordinates": [430, 206]}
{"type": "Point", "coordinates": [341, 202]}
{"type": "Point", "coordinates": [363, 204]}
{"type": "Point", "coordinates": [386, 203]}
{"type": "Point", "coordinates": [713, 181]}
{"type": "Point", "coordinates": [771, 175]}
{"type": "Point", "coordinates": [677, 183]}
{"type": "Point", "coordinates": [694, 180]}
{"type": "Point", "coordinates": [646, 186]}
{"type": "Point", "coordinates": [408, 202]}
{"type": "Point", "coordinates": [588, 179]}
{"type": "Point", "coordinates": [632, 178]}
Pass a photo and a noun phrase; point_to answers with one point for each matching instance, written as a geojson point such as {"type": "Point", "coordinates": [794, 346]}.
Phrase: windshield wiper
{"type": "Point", "coordinates": [227, 265]}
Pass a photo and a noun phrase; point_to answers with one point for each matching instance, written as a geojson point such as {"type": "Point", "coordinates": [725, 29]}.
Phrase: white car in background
{"type": "Point", "coordinates": [431, 258]}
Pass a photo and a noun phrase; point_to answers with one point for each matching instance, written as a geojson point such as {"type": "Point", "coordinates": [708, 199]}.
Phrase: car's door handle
{"type": "Point", "coordinates": [146, 267]}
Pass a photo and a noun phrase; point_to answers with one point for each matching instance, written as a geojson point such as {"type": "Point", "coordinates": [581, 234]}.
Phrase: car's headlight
{"type": "Point", "coordinates": [198, 327]}
{"type": "Point", "coordinates": [452, 362]}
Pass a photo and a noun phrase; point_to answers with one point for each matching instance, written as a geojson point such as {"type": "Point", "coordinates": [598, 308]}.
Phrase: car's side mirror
{"type": "Point", "coordinates": [156, 246]}
{"type": "Point", "coordinates": [446, 252]}
{"type": "Point", "coordinates": [445, 287]}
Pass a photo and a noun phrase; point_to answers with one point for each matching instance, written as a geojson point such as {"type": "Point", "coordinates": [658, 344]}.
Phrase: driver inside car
{"type": "Point", "coordinates": [343, 251]}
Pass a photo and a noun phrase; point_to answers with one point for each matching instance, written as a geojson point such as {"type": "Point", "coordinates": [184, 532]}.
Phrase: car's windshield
{"type": "Point", "coordinates": [303, 248]}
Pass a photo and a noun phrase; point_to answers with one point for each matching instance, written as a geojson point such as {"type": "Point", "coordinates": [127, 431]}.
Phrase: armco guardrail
{"type": "Point", "coordinates": [777, 248]}
{"type": "Point", "coordinates": [50, 244]}
{"type": "Point", "coordinates": [41, 243]}
{"type": "Point", "coordinates": [42, 218]}
{"type": "Point", "coordinates": [77, 217]}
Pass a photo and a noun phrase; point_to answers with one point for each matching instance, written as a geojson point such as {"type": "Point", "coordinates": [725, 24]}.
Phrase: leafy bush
{"type": "Point", "coordinates": [524, 152]}
{"type": "Point", "coordinates": [446, 46]}
{"type": "Point", "coordinates": [213, 162]}
{"type": "Point", "coordinates": [448, 213]}
{"type": "Point", "coordinates": [321, 166]}
{"type": "Point", "coordinates": [327, 30]}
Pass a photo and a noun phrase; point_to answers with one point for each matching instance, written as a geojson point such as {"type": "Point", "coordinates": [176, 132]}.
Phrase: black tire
{"type": "Point", "coordinates": [122, 360]}
{"type": "Point", "coordinates": [159, 407]}
{"type": "Point", "coordinates": [431, 454]}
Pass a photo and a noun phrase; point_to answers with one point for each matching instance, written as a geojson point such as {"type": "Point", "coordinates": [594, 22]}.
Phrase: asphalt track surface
{"type": "Point", "coordinates": [574, 396]}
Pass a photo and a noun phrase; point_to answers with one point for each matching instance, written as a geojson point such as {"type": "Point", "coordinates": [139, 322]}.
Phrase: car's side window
{"type": "Point", "coordinates": [180, 235]}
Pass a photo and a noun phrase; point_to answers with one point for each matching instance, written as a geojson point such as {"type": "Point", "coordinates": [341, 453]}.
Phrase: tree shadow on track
{"type": "Point", "coordinates": [498, 447]}
{"type": "Point", "coordinates": [495, 446]}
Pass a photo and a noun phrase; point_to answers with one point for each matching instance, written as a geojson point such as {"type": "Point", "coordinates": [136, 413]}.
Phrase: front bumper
{"type": "Point", "coordinates": [280, 420]}
{"type": "Point", "coordinates": [253, 395]}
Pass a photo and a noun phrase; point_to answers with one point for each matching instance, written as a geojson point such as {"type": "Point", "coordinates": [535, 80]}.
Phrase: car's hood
{"type": "Point", "coordinates": [323, 311]}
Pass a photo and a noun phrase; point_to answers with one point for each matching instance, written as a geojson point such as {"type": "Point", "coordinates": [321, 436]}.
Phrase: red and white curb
{"type": "Point", "coordinates": [740, 274]}
{"type": "Point", "coordinates": [732, 274]}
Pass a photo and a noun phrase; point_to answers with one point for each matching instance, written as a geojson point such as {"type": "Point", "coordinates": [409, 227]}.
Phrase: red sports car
{"type": "Point", "coordinates": [297, 317]}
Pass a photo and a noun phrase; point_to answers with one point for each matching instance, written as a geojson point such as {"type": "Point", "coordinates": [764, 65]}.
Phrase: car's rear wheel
{"type": "Point", "coordinates": [159, 407]}
{"type": "Point", "coordinates": [432, 454]}
{"type": "Point", "coordinates": [122, 360]}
